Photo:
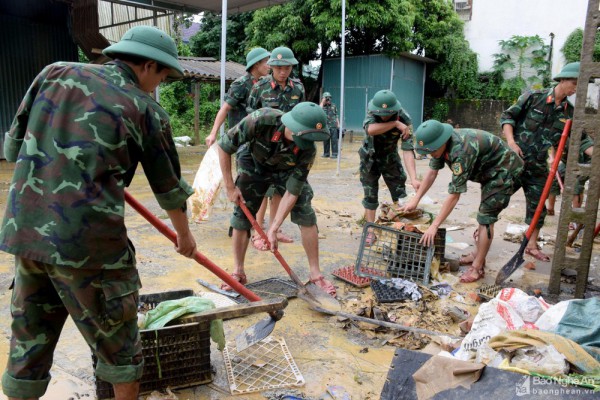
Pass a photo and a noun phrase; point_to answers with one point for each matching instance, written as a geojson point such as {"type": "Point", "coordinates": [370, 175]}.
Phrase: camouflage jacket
{"type": "Point", "coordinates": [477, 156]}
{"type": "Point", "coordinates": [237, 98]}
{"type": "Point", "coordinates": [387, 142]}
{"type": "Point", "coordinates": [267, 93]}
{"type": "Point", "coordinates": [538, 124]}
{"type": "Point", "coordinates": [263, 131]}
{"type": "Point", "coordinates": [332, 115]}
{"type": "Point", "coordinates": [77, 138]}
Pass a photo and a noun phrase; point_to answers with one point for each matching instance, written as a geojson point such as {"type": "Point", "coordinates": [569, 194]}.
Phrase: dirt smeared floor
{"type": "Point", "coordinates": [328, 350]}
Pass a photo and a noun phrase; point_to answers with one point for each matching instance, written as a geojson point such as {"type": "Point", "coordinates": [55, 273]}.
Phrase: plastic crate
{"type": "Point", "coordinates": [175, 356]}
{"type": "Point", "coordinates": [395, 254]}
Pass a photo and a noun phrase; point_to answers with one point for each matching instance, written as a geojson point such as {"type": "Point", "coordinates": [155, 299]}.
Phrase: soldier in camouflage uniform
{"type": "Point", "coordinates": [531, 126]}
{"type": "Point", "coordinates": [234, 106]}
{"type": "Point", "coordinates": [280, 151]}
{"type": "Point", "coordinates": [334, 123]}
{"type": "Point", "coordinates": [472, 155]}
{"type": "Point", "coordinates": [385, 124]}
{"type": "Point", "coordinates": [77, 138]}
{"type": "Point", "coordinates": [276, 90]}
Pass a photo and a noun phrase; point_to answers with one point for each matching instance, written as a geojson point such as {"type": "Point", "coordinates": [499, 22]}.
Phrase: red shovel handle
{"type": "Point", "coordinates": [199, 257]}
{"type": "Point", "coordinates": [276, 252]}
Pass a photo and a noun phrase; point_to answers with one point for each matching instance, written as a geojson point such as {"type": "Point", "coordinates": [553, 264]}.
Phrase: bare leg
{"type": "Point", "coordinates": [260, 215]}
{"type": "Point", "coordinates": [126, 391]}
{"type": "Point", "coordinates": [370, 215]}
{"type": "Point", "coordinates": [310, 242]}
{"type": "Point", "coordinates": [532, 248]}
{"type": "Point", "coordinates": [483, 243]}
{"type": "Point", "coordinates": [240, 245]}
{"type": "Point", "coordinates": [551, 204]}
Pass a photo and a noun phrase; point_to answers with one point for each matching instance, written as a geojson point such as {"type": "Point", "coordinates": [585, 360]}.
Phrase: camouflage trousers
{"type": "Point", "coordinates": [102, 303]}
{"type": "Point", "coordinates": [374, 166]}
{"type": "Point", "coordinates": [533, 180]}
{"type": "Point", "coordinates": [496, 193]}
{"type": "Point", "coordinates": [254, 183]}
{"type": "Point", "coordinates": [579, 183]}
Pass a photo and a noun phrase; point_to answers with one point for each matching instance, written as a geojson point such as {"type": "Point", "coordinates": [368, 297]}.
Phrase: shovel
{"type": "Point", "coordinates": [311, 293]}
{"type": "Point", "coordinates": [517, 259]}
{"type": "Point", "coordinates": [250, 336]}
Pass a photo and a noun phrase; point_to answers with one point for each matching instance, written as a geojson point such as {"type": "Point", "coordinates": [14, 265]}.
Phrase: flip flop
{"type": "Point", "coordinates": [550, 211]}
{"type": "Point", "coordinates": [324, 284]}
{"type": "Point", "coordinates": [472, 275]}
{"type": "Point", "coordinates": [258, 243]}
{"type": "Point", "coordinates": [240, 277]}
{"type": "Point", "coordinates": [537, 254]}
{"type": "Point", "coordinates": [283, 238]}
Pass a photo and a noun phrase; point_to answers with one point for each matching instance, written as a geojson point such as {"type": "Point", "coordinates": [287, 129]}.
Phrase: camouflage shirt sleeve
{"type": "Point", "coordinates": [436, 163]}
{"type": "Point", "coordinates": [511, 115]}
{"type": "Point", "coordinates": [299, 174]}
{"type": "Point", "coordinates": [14, 137]}
{"type": "Point", "coordinates": [237, 92]}
{"type": "Point", "coordinates": [238, 135]}
{"type": "Point", "coordinates": [253, 98]}
{"type": "Point", "coordinates": [369, 119]}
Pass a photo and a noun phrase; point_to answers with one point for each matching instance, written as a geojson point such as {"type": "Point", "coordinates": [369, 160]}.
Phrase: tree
{"type": "Point", "coordinates": [523, 62]}
{"type": "Point", "coordinates": [572, 47]}
{"type": "Point", "coordinates": [207, 42]}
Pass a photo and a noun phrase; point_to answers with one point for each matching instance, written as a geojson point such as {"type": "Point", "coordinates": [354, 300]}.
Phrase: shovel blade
{"type": "Point", "coordinates": [509, 268]}
{"type": "Point", "coordinates": [318, 298]}
{"type": "Point", "coordinates": [254, 334]}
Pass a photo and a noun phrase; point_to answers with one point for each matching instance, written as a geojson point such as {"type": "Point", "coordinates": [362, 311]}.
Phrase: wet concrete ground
{"type": "Point", "coordinates": [325, 353]}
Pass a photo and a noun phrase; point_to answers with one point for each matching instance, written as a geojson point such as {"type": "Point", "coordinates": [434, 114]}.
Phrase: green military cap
{"type": "Point", "coordinates": [308, 123]}
{"type": "Point", "coordinates": [384, 103]}
{"type": "Point", "coordinates": [432, 135]}
{"type": "Point", "coordinates": [282, 56]}
{"type": "Point", "coordinates": [151, 43]}
{"type": "Point", "coordinates": [569, 71]}
{"type": "Point", "coordinates": [326, 95]}
{"type": "Point", "coordinates": [255, 55]}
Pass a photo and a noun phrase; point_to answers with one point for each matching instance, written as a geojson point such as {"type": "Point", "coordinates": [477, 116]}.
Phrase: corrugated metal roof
{"type": "Point", "coordinates": [196, 6]}
{"type": "Point", "coordinates": [116, 19]}
{"type": "Point", "coordinates": [209, 69]}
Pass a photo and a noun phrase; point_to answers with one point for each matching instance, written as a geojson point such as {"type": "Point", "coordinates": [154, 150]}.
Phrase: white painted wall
{"type": "Point", "coordinates": [494, 20]}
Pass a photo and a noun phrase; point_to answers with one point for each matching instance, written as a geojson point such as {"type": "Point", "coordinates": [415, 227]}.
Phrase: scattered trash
{"type": "Point", "coordinates": [183, 141]}
{"type": "Point", "coordinates": [529, 265]}
{"type": "Point", "coordinates": [347, 274]}
{"type": "Point", "coordinates": [338, 392]}
{"type": "Point", "coordinates": [458, 245]}
{"type": "Point", "coordinates": [442, 289]}
{"type": "Point", "coordinates": [543, 360]}
{"type": "Point", "coordinates": [410, 290]}
{"type": "Point", "coordinates": [156, 395]}
{"type": "Point", "coordinates": [456, 313]}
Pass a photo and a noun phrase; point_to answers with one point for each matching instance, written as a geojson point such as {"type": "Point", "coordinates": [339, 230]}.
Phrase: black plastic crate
{"type": "Point", "coordinates": [386, 293]}
{"type": "Point", "coordinates": [395, 254]}
{"type": "Point", "coordinates": [176, 356]}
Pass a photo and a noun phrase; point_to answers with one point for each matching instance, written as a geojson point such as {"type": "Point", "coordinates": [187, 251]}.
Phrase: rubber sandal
{"type": "Point", "coordinates": [283, 238]}
{"type": "Point", "coordinates": [324, 284]}
{"type": "Point", "coordinates": [240, 277]}
{"type": "Point", "coordinates": [258, 243]}
{"type": "Point", "coordinates": [537, 254]}
{"type": "Point", "coordinates": [370, 239]}
{"type": "Point", "coordinates": [466, 259]}
{"type": "Point", "coordinates": [550, 211]}
{"type": "Point", "coordinates": [472, 275]}
{"type": "Point", "coordinates": [572, 226]}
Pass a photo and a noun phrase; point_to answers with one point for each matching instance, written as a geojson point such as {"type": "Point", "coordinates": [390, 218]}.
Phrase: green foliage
{"type": "Point", "coordinates": [82, 58]}
{"type": "Point", "coordinates": [440, 110]}
{"type": "Point", "coordinates": [207, 42]}
{"type": "Point", "coordinates": [490, 85]}
{"type": "Point", "coordinates": [574, 43]}
{"type": "Point", "coordinates": [520, 55]}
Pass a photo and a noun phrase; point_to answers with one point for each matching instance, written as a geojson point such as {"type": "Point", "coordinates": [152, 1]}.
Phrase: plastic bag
{"type": "Point", "coordinates": [530, 308]}
{"type": "Point", "coordinates": [544, 360]}
{"type": "Point", "coordinates": [207, 184]}
{"type": "Point", "coordinates": [549, 320]}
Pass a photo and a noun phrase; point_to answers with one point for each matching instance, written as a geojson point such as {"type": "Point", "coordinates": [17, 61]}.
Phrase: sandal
{"type": "Point", "coordinates": [240, 277]}
{"type": "Point", "coordinates": [466, 259]}
{"type": "Point", "coordinates": [472, 275]}
{"type": "Point", "coordinates": [258, 243]}
{"type": "Point", "coordinates": [537, 254]}
{"type": "Point", "coordinates": [283, 238]}
{"type": "Point", "coordinates": [550, 211]}
{"type": "Point", "coordinates": [324, 284]}
{"type": "Point", "coordinates": [370, 239]}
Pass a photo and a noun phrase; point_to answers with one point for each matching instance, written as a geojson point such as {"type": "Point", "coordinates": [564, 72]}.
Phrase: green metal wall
{"type": "Point", "coordinates": [365, 75]}
{"type": "Point", "coordinates": [33, 34]}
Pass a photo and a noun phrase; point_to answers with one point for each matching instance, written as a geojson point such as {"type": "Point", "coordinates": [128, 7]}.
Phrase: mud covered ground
{"type": "Point", "coordinates": [326, 350]}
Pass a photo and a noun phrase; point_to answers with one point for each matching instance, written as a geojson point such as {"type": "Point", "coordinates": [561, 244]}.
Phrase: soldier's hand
{"type": "Point", "coordinates": [429, 236]}
{"type": "Point", "coordinates": [515, 147]}
{"type": "Point", "coordinates": [411, 205]}
{"type": "Point", "coordinates": [272, 236]}
{"type": "Point", "coordinates": [404, 129]}
{"type": "Point", "coordinates": [210, 139]}
{"type": "Point", "coordinates": [186, 245]}
{"type": "Point", "coordinates": [235, 195]}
